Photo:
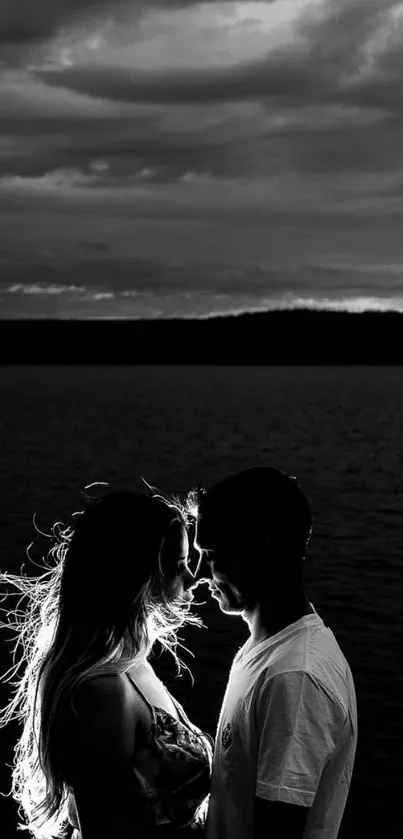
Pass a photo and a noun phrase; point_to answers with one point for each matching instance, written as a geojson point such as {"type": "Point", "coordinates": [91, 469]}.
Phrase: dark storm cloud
{"type": "Point", "coordinates": [93, 272]}
{"type": "Point", "coordinates": [358, 148]}
{"type": "Point", "coordinates": [320, 69]}
{"type": "Point", "coordinates": [25, 21]}
{"type": "Point", "coordinates": [28, 21]}
{"type": "Point", "coordinates": [316, 67]}
{"type": "Point", "coordinates": [313, 109]}
{"type": "Point", "coordinates": [94, 247]}
{"type": "Point", "coordinates": [234, 147]}
{"type": "Point", "coordinates": [134, 143]}
{"type": "Point", "coordinates": [337, 32]}
{"type": "Point", "coordinates": [283, 76]}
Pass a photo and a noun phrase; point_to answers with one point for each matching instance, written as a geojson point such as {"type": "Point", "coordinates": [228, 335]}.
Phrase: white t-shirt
{"type": "Point", "coordinates": [287, 732]}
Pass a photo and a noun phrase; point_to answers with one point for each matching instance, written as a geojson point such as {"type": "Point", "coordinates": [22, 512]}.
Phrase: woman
{"type": "Point", "coordinates": [104, 747]}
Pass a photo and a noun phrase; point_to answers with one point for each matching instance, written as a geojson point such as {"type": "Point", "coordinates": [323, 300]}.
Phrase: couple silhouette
{"type": "Point", "coordinates": [106, 751]}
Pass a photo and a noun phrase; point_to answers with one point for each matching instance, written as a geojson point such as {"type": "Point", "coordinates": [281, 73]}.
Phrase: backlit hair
{"type": "Point", "coordinates": [98, 602]}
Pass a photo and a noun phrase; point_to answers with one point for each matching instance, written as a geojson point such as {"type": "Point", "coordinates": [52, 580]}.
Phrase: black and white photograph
{"type": "Point", "coordinates": [201, 413]}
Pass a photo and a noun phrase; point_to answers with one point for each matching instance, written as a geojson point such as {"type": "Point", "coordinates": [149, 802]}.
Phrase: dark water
{"type": "Point", "coordinates": [338, 429]}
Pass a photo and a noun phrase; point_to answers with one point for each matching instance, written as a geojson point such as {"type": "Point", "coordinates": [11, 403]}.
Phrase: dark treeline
{"type": "Point", "coordinates": [296, 337]}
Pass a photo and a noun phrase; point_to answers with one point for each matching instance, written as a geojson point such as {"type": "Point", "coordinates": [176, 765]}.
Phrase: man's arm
{"type": "Point", "coordinates": [279, 820]}
{"type": "Point", "coordinates": [298, 727]}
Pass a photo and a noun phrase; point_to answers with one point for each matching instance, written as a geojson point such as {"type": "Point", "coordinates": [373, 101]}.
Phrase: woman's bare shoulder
{"type": "Point", "coordinates": [101, 776]}
{"type": "Point", "coordinates": [108, 715]}
{"type": "Point", "coordinates": [100, 688]}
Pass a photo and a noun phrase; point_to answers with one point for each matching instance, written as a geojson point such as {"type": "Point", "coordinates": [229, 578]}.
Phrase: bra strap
{"type": "Point", "coordinates": [181, 712]}
{"type": "Point", "coordinates": [144, 698]}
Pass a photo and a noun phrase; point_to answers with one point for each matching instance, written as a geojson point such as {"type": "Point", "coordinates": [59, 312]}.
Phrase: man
{"type": "Point", "coordinates": [287, 730]}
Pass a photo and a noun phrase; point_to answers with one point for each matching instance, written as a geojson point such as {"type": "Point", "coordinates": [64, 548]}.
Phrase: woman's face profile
{"type": "Point", "coordinates": [177, 577]}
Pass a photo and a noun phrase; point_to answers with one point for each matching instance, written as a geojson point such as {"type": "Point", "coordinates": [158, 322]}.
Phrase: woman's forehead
{"type": "Point", "coordinates": [176, 538]}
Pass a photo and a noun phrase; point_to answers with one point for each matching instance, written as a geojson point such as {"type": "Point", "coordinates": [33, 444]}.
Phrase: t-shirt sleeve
{"type": "Point", "coordinates": [298, 728]}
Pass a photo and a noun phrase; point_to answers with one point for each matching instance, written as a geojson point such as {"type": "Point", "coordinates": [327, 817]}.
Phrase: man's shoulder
{"type": "Point", "coordinates": [309, 689]}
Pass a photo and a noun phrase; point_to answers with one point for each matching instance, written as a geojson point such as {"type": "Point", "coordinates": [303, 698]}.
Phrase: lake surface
{"type": "Point", "coordinates": [339, 430]}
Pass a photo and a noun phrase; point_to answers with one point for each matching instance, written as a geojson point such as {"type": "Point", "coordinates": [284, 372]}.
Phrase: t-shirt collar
{"type": "Point", "coordinates": [312, 619]}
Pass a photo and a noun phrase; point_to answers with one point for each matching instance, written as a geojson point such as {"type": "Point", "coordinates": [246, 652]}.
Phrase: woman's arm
{"type": "Point", "coordinates": [104, 784]}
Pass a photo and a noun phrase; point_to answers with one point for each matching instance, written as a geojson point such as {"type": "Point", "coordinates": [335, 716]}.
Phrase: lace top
{"type": "Point", "coordinates": [172, 768]}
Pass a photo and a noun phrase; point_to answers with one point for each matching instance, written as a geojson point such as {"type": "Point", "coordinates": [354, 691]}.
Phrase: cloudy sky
{"type": "Point", "coordinates": [171, 157]}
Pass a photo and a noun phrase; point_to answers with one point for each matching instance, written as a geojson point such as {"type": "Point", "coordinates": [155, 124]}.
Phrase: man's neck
{"type": "Point", "coordinates": [268, 621]}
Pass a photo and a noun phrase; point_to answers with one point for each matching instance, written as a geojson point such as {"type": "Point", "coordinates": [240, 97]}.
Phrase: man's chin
{"type": "Point", "coordinates": [225, 605]}
{"type": "Point", "coordinates": [230, 610]}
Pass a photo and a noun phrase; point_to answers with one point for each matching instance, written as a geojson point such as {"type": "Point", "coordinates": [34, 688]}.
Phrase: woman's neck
{"type": "Point", "coordinates": [141, 659]}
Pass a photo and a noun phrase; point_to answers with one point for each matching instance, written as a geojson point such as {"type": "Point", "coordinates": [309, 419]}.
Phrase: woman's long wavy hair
{"type": "Point", "coordinates": [100, 600]}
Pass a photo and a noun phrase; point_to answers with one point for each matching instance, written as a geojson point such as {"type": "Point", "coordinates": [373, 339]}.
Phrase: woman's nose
{"type": "Point", "coordinates": [202, 574]}
{"type": "Point", "coordinates": [189, 578]}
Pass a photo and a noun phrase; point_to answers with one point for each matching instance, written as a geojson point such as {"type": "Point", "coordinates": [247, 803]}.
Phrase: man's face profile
{"type": "Point", "coordinates": [216, 553]}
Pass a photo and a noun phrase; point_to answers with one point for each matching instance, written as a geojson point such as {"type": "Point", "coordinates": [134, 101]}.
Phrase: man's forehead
{"type": "Point", "coordinates": [213, 542]}
{"type": "Point", "coordinates": [220, 538]}
{"type": "Point", "coordinates": [207, 535]}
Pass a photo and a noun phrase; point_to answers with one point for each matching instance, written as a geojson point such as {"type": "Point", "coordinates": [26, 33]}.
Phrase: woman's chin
{"type": "Point", "coordinates": [186, 599]}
